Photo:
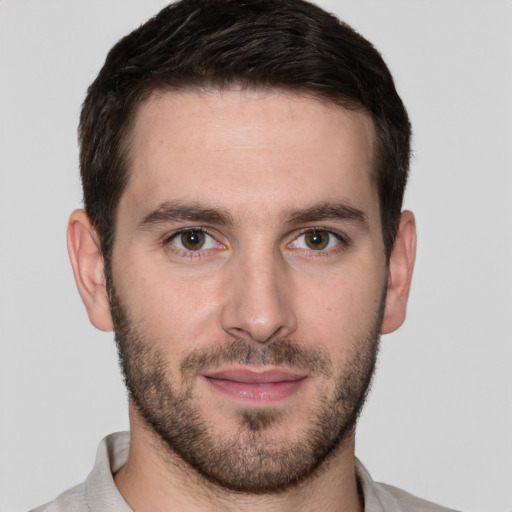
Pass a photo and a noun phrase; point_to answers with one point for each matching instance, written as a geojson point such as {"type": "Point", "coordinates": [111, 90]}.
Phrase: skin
{"type": "Point", "coordinates": [256, 157]}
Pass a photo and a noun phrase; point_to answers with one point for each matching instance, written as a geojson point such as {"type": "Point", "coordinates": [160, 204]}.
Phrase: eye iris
{"type": "Point", "coordinates": [192, 240]}
{"type": "Point", "coordinates": [317, 240]}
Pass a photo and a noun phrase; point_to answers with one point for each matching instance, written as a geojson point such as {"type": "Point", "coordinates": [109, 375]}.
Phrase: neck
{"type": "Point", "coordinates": [155, 479]}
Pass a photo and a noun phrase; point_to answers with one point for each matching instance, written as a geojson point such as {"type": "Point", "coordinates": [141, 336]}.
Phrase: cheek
{"type": "Point", "coordinates": [339, 310]}
{"type": "Point", "coordinates": [169, 306]}
{"type": "Point", "coordinates": [179, 310]}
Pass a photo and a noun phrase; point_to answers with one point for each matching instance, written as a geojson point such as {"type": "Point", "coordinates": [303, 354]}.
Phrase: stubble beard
{"type": "Point", "coordinates": [253, 458]}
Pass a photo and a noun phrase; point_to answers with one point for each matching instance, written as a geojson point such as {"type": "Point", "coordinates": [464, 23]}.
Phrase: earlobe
{"type": "Point", "coordinates": [88, 269]}
{"type": "Point", "coordinates": [401, 265]}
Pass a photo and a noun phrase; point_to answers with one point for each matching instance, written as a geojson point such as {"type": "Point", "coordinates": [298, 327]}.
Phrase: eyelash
{"type": "Point", "coordinates": [200, 253]}
{"type": "Point", "coordinates": [344, 242]}
{"type": "Point", "coordinates": [342, 245]}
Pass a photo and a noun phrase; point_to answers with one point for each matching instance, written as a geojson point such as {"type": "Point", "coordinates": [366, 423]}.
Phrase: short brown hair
{"type": "Point", "coordinates": [291, 45]}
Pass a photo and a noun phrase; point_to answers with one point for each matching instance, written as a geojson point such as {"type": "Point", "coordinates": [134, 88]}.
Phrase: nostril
{"type": "Point", "coordinates": [257, 304]}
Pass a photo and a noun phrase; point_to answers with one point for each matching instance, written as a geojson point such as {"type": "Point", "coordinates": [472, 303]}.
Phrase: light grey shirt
{"type": "Point", "coordinates": [99, 493]}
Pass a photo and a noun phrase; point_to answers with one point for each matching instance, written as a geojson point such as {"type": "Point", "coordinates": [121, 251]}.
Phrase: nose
{"type": "Point", "coordinates": [257, 302]}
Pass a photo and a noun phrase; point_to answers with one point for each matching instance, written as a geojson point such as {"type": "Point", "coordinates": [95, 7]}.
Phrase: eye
{"type": "Point", "coordinates": [316, 240]}
{"type": "Point", "coordinates": [193, 240]}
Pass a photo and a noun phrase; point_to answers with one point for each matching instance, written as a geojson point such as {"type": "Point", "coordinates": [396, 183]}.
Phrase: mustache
{"type": "Point", "coordinates": [279, 352]}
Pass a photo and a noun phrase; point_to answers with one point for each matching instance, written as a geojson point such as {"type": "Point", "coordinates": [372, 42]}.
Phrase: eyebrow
{"type": "Point", "coordinates": [176, 211]}
{"type": "Point", "coordinates": [173, 211]}
{"type": "Point", "coordinates": [329, 211]}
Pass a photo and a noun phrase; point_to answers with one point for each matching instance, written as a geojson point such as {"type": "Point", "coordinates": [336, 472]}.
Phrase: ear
{"type": "Point", "coordinates": [401, 265]}
{"type": "Point", "coordinates": [88, 269]}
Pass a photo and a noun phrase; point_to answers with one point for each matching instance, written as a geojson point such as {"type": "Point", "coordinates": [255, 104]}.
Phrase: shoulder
{"type": "Point", "coordinates": [384, 498]}
{"type": "Point", "coordinates": [407, 501]}
{"type": "Point", "coordinates": [99, 491]}
{"type": "Point", "coordinates": [72, 500]}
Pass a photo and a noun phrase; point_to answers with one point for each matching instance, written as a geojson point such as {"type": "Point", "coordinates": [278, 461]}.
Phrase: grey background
{"type": "Point", "coordinates": [439, 419]}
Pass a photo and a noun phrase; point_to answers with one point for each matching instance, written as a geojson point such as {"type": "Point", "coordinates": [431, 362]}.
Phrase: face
{"type": "Point", "coordinates": [249, 278]}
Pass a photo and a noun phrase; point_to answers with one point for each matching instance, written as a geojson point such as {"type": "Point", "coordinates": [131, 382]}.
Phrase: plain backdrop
{"type": "Point", "coordinates": [439, 420]}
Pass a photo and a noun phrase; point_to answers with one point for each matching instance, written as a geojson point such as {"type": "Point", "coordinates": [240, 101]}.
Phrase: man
{"type": "Point", "coordinates": [243, 167]}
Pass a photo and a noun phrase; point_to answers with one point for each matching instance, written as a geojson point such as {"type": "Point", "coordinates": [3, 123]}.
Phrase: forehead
{"type": "Point", "coordinates": [240, 148]}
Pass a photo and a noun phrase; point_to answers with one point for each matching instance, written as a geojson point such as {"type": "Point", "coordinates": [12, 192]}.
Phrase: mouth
{"type": "Point", "coordinates": [256, 385]}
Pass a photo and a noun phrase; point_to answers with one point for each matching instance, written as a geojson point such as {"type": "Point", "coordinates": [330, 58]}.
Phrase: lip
{"type": "Point", "coordinates": [256, 385]}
